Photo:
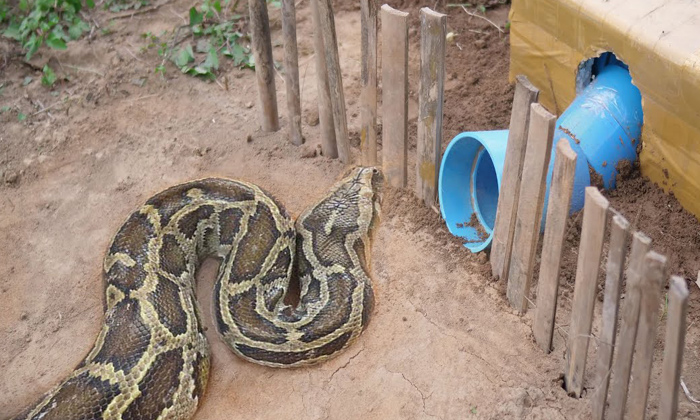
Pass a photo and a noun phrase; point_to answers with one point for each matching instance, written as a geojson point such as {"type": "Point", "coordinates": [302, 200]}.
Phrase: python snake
{"type": "Point", "coordinates": [151, 358]}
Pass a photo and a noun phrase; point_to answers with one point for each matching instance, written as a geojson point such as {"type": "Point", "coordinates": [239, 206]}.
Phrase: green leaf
{"type": "Point", "coordinates": [12, 31]}
{"type": "Point", "coordinates": [5, 109]}
{"type": "Point", "coordinates": [90, 3]}
{"type": "Point", "coordinates": [184, 56]}
{"type": "Point", "coordinates": [195, 17]}
{"type": "Point", "coordinates": [481, 8]}
{"type": "Point", "coordinates": [55, 41]}
{"type": "Point", "coordinates": [212, 61]}
{"type": "Point", "coordinates": [27, 80]}
{"type": "Point", "coordinates": [21, 117]}
{"type": "Point", "coordinates": [49, 77]}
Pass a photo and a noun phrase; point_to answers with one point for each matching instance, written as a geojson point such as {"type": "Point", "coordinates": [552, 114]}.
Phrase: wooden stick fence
{"type": "Point", "coordinates": [517, 225]}
{"type": "Point", "coordinates": [512, 259]}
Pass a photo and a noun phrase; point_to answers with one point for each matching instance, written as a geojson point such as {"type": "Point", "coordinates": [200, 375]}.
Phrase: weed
{"type": "Point", "coordinates": [49, 77]}
{"type": "Point", "coordinates": [37, 22]}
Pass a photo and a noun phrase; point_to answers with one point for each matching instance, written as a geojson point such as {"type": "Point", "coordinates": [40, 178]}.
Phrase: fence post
{"type": "Point", "coordinates": [652, 283]}
{"type": "Point", "coordinates": [325, 111]}
{"type": "Point", "coordinates": [368, 93]}
{"type": "Point", "coordinates": [335, 79]}
{"type": "Point", "coordinates": [673, 351]}
{"type": "Point", "coordinates": [394, 95]}
{"type": "Point", "coordinates": [628, 330]}
{"type": "Point", "coordinates": [530, 204]}
{"type": "Point", "coordinates": [502, 242]}
{"type": "Point", "coordinates": [613, 282]}
{"type": "Point", "coordinates": [291, 71]}
{"type": "Point", "coordinates": [430, 98]}
{"type": "Point", "coordinates": [264, 67]}
{"type": "Point", "coordinates": [595, 217]}
{"type": "Point", "coordinates": [553, 242]}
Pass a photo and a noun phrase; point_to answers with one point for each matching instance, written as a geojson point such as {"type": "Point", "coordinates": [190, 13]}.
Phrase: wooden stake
{"type": "Point", "coordinates": [652, 283]}
{"type": "Point", "coordinates": [368, 93]}
{"type": "Point", "coordinates": [335, 79]}
{"type": "Point", "coordinates": [430, 100]}
{"type": "Point", "coordinates": [529, 217]}
{"type": "Point", "coordinates": [325, 109]}
{"type": "Point", "coordinates": [553, 242]}
{"type": "Point", "coordinates": [264, 67]}
{"type": "Point", "coordinates": [628, 330]}
{"type": "Point", "coordinates": [595, 218]}
{"type": "Point", "coordinates": [504, 227]}
{"type": "Point", "coordinates": [394, 95]}
{"type": "Point", "coordinates": [291, 71]}
{"type": "Point", "coordinates": [611, 302]}
{"type": "Point", "coordinates": [673, 352]}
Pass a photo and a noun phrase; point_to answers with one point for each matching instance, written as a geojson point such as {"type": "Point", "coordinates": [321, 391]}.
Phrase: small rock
{"type": "Point", "coordinates": [249, 104]}
{"type": "Point", "coordinates": [23, 316]}
{"type": "Point", "coordinates": [28, 339]}
{"type": "Point", "coordinates": [481, 258]}
{"type": "Point", "coordinates": [308, 151]}
{"type": "Point", "coordinates": [312, 118]}
{"type": "Point", "coordinates": [480, 43]}
{"type": "Point", "coordinates": [249, 138]}
{"type": "Point", "coordinates": [11, 177]}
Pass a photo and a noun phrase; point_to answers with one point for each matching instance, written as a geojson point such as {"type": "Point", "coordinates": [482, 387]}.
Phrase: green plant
{"type": "Point", "coordinates": [215, 28]}
{"type": "Point", "coordinates": [49, 77]}
{"type": "Point", "coordinates": [50, 22]}
{"type": "Point", "coordinates": [119, 5]}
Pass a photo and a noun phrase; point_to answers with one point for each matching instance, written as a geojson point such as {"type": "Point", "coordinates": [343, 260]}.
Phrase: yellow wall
{"type": "Point", "coordinates": [658, 39]}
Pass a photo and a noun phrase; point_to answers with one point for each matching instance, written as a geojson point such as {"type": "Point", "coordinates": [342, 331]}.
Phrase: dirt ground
{"type": "Point", "coordinates": [443, 342]}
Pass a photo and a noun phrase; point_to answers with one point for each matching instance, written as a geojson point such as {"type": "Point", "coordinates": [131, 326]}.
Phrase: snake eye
{"type": "Point", "coordinates": [375, 170]}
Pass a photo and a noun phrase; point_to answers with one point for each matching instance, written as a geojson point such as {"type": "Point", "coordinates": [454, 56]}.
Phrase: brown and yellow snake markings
{"type": "Point", "coordinates": [151, 358]}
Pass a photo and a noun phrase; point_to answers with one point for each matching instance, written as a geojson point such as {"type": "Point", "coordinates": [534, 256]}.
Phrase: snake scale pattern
{"type": "Point", "coordinates": [151, 358]}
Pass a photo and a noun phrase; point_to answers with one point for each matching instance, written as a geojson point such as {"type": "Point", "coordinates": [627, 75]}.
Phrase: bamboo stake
{"type": "Point", "coordinates": [553, 242]}
{"type": "Point", "coordinates": [504, 227]}
{"type": "Point", "coordinates": [394, 95]}
{"type": "Point", "coordinates": [335, 79]}
{"type": "Point", "coordinates": [673, 352]}
{"type": "Point", "coordinates": [264, 66]}
{"type": "Point", "coordinates": [613, 284]}
{"type": "Point", "coordinates": [368, 93]}
{"type": "Point", "coordinates": [430, 97]}
{"type": "Point", "coordinates": [325, 111]}
{"type": "Point", "coordinates": [291, 71]}
{"type": "Point", "coordinates": [595, 217]}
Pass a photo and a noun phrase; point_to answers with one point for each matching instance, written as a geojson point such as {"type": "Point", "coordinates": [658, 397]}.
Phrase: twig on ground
{"type": "Point", "coordinates": [140, 11]}
{"type": "Point", "coordinates": [688, 394]}
{"type": "Point", "coordinates": [482, 17]}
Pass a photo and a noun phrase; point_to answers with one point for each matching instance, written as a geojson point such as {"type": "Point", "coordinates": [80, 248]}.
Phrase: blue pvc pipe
{"type": "Point", "coordinates": [470, 172]}
{"type": "Point", "coordinates": [602, 125]}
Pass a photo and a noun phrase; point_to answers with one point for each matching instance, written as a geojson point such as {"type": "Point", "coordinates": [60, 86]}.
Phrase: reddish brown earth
{"type": "Point", "coordinates": [443, 342]}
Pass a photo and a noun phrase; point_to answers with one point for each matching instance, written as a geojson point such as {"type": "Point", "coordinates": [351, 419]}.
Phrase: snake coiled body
{"type": "Point", "coordinates": [151, 358]}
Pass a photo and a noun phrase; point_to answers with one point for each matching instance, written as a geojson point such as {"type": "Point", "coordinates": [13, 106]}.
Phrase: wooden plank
{"type": "Point", "coordinates": [628, 330]}
{"type": "Point", "coordinates": [504, 227]}
{"type": "Point", "coordinates": [325, 111]}
{"type": "Point", "coordinates": [264, 66]}
{"type": "Point", "coordinates": [595, 220]}
{"type": "Point", "coordinates": [335, 79]}
{"type": "Point", "coordinates": [611, 301]}
{"type": "Point", "coordinates": [394, 95]}
{"type": "Point", "coordinates": [673, 351]}
{"type": "Point", "coordinates": [291, 71]}
{"type": "Point", "coordinates": [530, 204]}
{"type": "Point", "coordinates": [652, 283]}
{"type": "Point", "coordinates": [368, 81]}
{"type": "Point", "coordinates": [553, 242]}
{"type": "Point", "coordinates": [430, 101]}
